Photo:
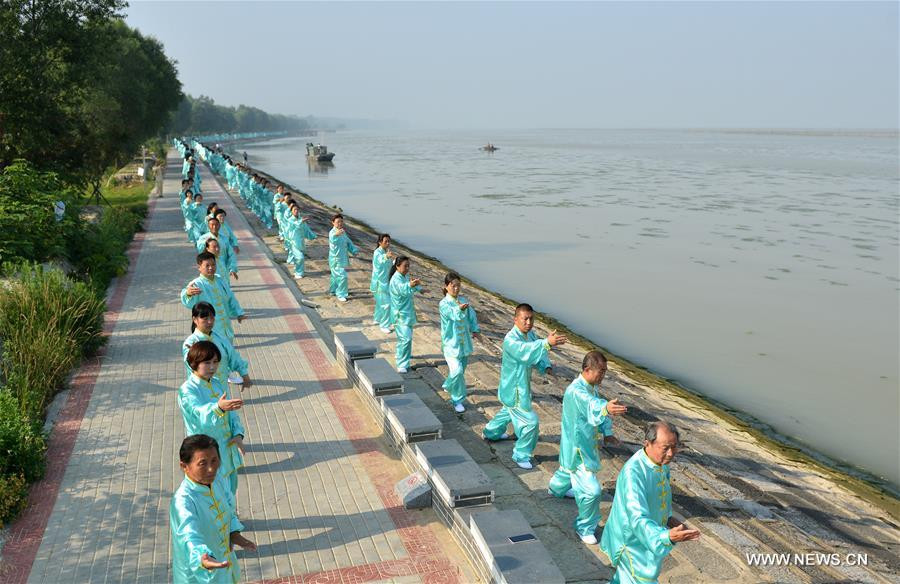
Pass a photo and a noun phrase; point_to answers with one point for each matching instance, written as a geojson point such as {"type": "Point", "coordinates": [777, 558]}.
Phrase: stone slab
{"type": "Point", "coordinates": [513, 563]}
{"type": "Point", "coordinates": [354, 345]}
{"type": "Point", "coordinates": [457, 479]}
{"type": "Point", "coordinates": [378, 376]}
{"type": "Point", "coordinates": [410, 418]}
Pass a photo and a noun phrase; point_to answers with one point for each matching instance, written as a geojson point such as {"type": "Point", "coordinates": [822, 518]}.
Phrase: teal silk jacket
{"type": "Point", "coordinates": [521, 352]}
{"type": "Point", "coordinates": [198, 400]}
{"type": "Point", "coordinates": [635, 536]}
{"type": "Point", "coordinates": [217, 292]}
{"type": "Point", "coordinates": [381, 269]}
{"type": "Point", "coordinates": [403, 310]}
{"type": "Point", "coordinates": [457, 326]}
{"type": "Point", "coordinates": [584, 422]}
{"type": "Point", "coordinates": [231, 359]}
{"type": "Point", "coordinates": [202, 519]}
{"type": "Point", "coordinates": [339, 246]}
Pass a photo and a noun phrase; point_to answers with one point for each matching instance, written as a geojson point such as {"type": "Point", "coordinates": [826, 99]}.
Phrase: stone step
{"type": "Point", "coordinates": [409, 419]}
{"type": "Point", "coordinates": [378, 377]}
{"type": "Point", "coordinates": [354, 345]}
{"type": "Point", "coordinates": [511, 549]}
{"type": "Point", "coordinates": [458, 481]}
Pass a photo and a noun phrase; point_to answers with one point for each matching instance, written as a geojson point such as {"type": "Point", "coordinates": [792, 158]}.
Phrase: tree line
{"type": "Point", "coordinates": [198, 115]}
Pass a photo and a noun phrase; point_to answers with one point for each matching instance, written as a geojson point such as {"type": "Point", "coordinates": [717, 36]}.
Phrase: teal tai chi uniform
{"type": "Point", "coordinates": [521, 352]}
{"type": "Point", "coordinates": [584, 423]}
{"type": "Point", "coordinates": [195, 221]}
{"type": "Point", "coordinates": [231, 359]}
{"type": "Point", "coordinates": [226, 262]}
{"type": "Point", "coordinates": [198, 400]}
{"type": "Point", "coordinates": [217, 292]}
{"type": "Point", "coordinates": [298, 232]}
{"type": "Point", "coordinates": [380, 287]}
{"type": "Point", "coordinates": [457, 327]}
{"type": "Point", "coordinates": [340, 248]}
{"type": "Point", "coordinates": [202, 519]}
{"type": "Point", "coordinates": [636, 536]}
{"type": "Point", "coordinates": [403, 313]}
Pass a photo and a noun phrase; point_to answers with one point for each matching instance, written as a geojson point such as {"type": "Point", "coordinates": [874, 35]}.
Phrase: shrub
{"type": "Point", "coordinates": [47, 323]}
{"type": "Point", "coordinates": [22, 449]}
{"type": "Point", "coordinates": [98, 253]}
{"type": "Point", "coordinates": [28, 227]}
{"type": "Point", "coordinates": [22, 441]}
{"type": "Point", "coordinates": [13, 497]}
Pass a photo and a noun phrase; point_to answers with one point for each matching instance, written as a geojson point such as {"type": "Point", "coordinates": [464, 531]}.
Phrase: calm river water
{"type": "Point", "coordinates": [760, 269]}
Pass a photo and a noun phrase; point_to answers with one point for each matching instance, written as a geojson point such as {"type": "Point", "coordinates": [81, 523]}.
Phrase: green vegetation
{"type": "Point", "coordinates": [80, 91]}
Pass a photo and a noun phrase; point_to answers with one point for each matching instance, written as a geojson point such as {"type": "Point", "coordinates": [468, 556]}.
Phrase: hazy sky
{"type": "Point", "coordinates": [542, 64]}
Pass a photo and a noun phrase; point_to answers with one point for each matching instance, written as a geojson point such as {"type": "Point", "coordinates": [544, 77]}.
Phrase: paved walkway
{"type": "Point", "coordinates": [317, 490]}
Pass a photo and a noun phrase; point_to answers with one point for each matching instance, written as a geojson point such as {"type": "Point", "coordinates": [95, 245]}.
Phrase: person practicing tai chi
{"type": "Point", "coordinates": [195, 218]}
{"type": "Point", "coordinates": [298, 232]}
{"type": "Point", "coordinates": [458, 326]}
{"type": "Point", "coordinates": [641, 530]}
{"type": "Point", "coordinates": [403, 310]}
{"type": "Point", "coordinates": [382, 260]}
{"type": "Point", "coordinates": [339, 249]}
{"type": "Point", "coordinates": [214, 289]}
{"type": "Point", "coordinates": [226, 260]}
{"type": "Point", "coordinates": [522, 351]}
{"type": "Point", "coordinates": [203, 319]}
{"type": "Point", "coordinates": [585, 418]}
{"type": "Point", "coordinates": [204, 525]}
{"type": "Point", "coordinates": [207, 409]}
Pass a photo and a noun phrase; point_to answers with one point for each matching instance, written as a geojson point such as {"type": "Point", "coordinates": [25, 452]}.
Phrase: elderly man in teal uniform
{"type": "Point", "coordinates": [339, 249]}
{"type": "Point", "coordinates": [585, 418]}
{"type": "Point", "coordinates": [641, 531]}
{"type": "Point", "coordinates": [213, 288]}
{"type": "Point", "coordinates": [204, 525]}
{"type": "Point", "coordinates": [522, 351]}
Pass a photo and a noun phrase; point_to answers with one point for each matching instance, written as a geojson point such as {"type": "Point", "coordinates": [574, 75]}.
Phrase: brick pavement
{"type": "Point", "coordinates": [317, 490]}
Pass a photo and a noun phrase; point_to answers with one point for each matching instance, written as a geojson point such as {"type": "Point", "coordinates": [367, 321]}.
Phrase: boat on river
{"type": "Point", "coordinates": [489, 147]}
{"type": "Point", "coordinates": [318, 152]}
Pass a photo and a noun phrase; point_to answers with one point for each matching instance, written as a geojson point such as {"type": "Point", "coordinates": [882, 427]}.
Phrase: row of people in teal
{"type": "Point", "coordinates": [586, 415]}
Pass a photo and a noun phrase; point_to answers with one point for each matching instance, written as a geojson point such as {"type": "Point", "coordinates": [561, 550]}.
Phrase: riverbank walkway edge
{"type": "Point", "coordinates": [316, 494]}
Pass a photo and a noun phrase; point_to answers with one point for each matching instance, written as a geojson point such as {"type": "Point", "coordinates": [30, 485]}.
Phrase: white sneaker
{"type": "Point", "coordinates": [401, 370]}
{"type": "Point", "coordinates": [386, 330]}
{"type": "Point", "coordinates": [298, 276]}
{"type": "Point", "coordinates": [528, 466]}
{"type": "Point", "coordinates": [459, 408]}
{"type": "Point", "coordinates": [503, 436]}
{"type": "Point", "coordinates": [589, 539]}
{"type": "Point", "coordinates": [341, 299]}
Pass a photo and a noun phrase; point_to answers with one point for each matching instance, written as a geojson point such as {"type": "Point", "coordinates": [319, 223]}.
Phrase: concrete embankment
{"type": "Point", "coordinates": [745, 492]}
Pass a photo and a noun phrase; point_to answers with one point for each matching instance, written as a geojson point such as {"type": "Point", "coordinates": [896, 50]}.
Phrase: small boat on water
{"type": "Point", "coordinates": [489, 147]}
{"type": "Point", "coordinates": [318, 152]}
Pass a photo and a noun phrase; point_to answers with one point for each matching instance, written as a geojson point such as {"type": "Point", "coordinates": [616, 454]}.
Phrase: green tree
{"type": "Point", "coordinates": [79, 89]}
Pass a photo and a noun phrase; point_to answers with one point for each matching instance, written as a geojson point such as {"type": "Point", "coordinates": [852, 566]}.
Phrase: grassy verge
{"type": "Point", "coordinates": [51, 320]}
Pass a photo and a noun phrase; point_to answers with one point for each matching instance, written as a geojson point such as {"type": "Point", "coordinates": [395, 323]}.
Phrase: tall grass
{"type": "Point", "coordinates": [47, 323]}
